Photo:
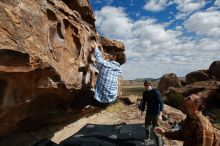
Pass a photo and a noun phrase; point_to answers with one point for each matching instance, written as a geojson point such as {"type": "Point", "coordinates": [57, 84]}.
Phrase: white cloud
{"type": "Point", "coordinates": [113, 22]}
{"type": "Point", "coordinates": [215, 6]}
{"type": "Point", "coordinates": [204, 23]}
{"type": "Point", "coordinates": [217, 3]}
{"type": "Point", "coordinates": [187, 7]}
{"type": "Point", "coordinates": [152, 50]}
{"type": "Point", "coordinates": [155, 5]}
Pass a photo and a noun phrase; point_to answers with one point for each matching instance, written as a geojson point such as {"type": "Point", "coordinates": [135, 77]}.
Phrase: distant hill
{"type": "Point", "coordinates": [140, 81]}
{"type": "Point", "coordinates": [143, 79]}
{"type": "Point", "coordinates": [136, 86]}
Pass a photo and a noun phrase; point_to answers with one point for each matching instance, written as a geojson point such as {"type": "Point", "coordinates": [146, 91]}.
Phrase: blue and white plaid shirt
{"type": "Point", "coordinates": [107, 81]}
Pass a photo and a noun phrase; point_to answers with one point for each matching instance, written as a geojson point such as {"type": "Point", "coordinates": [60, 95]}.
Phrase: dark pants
{"type": "Point", "coordinates": [92, 101]}
{"type": "Point", "coordinates": [150, 120]}
{"type": "Point", "coordinates": [87, 98]}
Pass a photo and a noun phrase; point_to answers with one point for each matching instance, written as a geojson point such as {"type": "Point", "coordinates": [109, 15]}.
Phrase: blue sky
{"type": "Point", "coordinates": [162, 36]}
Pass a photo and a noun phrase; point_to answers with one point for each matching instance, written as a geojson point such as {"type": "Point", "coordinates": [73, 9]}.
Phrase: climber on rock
{"type": "Point", "coordinates": [106, 88]}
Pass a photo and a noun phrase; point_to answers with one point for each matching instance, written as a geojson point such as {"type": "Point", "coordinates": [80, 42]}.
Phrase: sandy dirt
{"type": "Point", "coordinates": [115, 114]}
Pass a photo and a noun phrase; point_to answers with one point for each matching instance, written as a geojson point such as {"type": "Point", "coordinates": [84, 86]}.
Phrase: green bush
{"type": "Point", "coordinates": [174, 100]}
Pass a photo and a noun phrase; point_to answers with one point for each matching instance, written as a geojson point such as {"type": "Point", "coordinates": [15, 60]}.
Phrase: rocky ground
{"type": "Point", "coordinates": [122, 112]}
{"type": "Point", "coordinates": [115, 114]}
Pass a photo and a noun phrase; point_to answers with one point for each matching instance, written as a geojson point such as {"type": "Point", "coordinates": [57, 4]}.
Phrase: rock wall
{"type": "Point", "coordinates": [168, 80]}
{"type": "Point", "coordinates": [205, 83]}
{"type": "Point", "coordinates": [44, 51]}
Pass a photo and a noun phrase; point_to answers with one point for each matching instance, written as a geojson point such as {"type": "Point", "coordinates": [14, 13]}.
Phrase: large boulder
{"type": "Point", "coordinates": [110, 46]}
{"type": "Point", "coordinates": [200, 75]}
{"type": "Point", "coordinates": [209, 90]}
{"type": "Point", "coordinates": [84, 9]}
{"type": "Point", "coordinates": [44, 51]}
{"type": "Point", "coordinates": [168, 80]}
{"type": "Point", "coordinates": [204, 83]}
{"type": "Point", "coordinates": [214, 69]}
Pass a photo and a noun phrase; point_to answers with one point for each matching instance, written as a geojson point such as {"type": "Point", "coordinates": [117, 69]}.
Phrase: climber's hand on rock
{"type": "Point", "coordinates": [100, 48]}
{"type": "Point", "coordinates": [94, 45]}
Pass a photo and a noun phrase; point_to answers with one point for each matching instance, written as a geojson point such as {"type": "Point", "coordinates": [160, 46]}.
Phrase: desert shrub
{"type": "Point", "coordinates": [174, 100]}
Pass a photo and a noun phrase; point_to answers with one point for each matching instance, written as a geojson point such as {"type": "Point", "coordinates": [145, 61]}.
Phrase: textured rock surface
{"type": "Point", "coordinates": [114, 46]}
{"type": "Point", "coordinates": [44, 51]}
{"type": "Point", "coordinates": [203, 75]}
{"type": "Point", "coordinates": [209, 90]}
{"type": "Point", "coordinates": [200, 75]}
{"type": "Point", "coordinates": [214, 69]}
{"type": "Point", "coordinates": [204, 83]}
{"type": "Point", "coordinates": [168, 80]}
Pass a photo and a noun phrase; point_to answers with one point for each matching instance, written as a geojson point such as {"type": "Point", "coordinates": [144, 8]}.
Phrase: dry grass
{"type": "Point", "coordinates": [135, 87]}
{"type": "Point", "coordinates": [132, 90]}
{"type": "Point", "coordinates": [115, 107]}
